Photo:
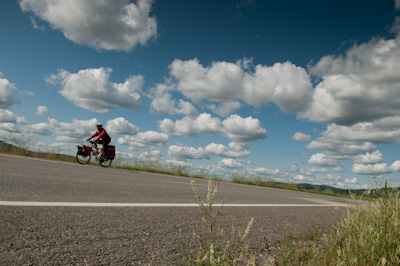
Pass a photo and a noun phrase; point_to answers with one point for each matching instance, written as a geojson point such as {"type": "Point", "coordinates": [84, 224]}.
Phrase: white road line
{"type": "Point", "coordinates": [94, 204]}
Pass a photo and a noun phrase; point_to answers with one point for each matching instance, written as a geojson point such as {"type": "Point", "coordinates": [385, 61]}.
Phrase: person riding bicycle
{"type": "Point", "coordinates": [103, 138]}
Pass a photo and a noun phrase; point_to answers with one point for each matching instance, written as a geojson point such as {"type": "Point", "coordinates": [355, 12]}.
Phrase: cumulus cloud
{"type": "Point", "coordinates": [91, 89]}
{"type": "Point", "coordinates": [43, 129]}
{"type": "Point", "coordinates": [220, 82]}
{"type": "Point", "coordinates": [322, 160]}
{"type": "Point", "coordinates": [162, 101]}
{"type": "Point", "coordinates": [266, 171]}
{"type": "Point", "coordinates": [234, 127]}
{"type": "Point", "coordinates": [359, 138]}
{"type": "Point", "coordinates": [144, 139]}
{"type": "Point", "coordinates": [284, 84]}
{"type": "Point", "coordinates": [184, 152]}
{"type": "Point", "coordinates": [243, 129]}
{"type": "Point", "coordinates": [164, 104]}
{"type": "Point", "coordinates": [7, 116]}
{"type": "Point", "coordinates": [72, 132]}
{"type": "Point", "coordinates": [369, 169]}
{"type": "Point", "coordinates": [9, 127]}
{"type": "Point", "coordinates": [234, 150]}
{"type": "Point", "coordinates": [109, 25]}
{"type": "Point", "coordinates": [7, 96]}
{"type": "Point", "coordinates": [225, 108]}
{"type": "Point", "coordinates": [301, 137]}
{"type": "Point", "coordinates": [361, 85]}
{"type": "Point", "coordinates": [121, 126]}
{"type": "Point", "coordinates": [230, 163]}
{"type": "Point", "coordinates": [189, 126]}
{"type": "Point", "coordinates": [375, 157]}
{"type": "Point", "coordinates": [42, 110]}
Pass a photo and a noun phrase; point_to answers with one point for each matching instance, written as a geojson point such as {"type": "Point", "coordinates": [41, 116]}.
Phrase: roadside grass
{"type": "Point", "coordinates": [368, 234]}
{"type": "Point", "coordinates": [215, 245]}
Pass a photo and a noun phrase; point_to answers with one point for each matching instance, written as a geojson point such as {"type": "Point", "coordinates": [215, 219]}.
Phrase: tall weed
{"type": "Point", "coordinates": [215, 245]}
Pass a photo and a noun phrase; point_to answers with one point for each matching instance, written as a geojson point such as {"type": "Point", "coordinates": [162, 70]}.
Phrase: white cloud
{"type": "Point", "coordinates": [300, 178]}
{"type": "Point", "coordinates": [162, 101]}
{"type": "Point", "coordinates": [43, 129]}
{"type": "Point", "coordinates": [375, 168]}
{"type": "Point", "coordinates": [9, 127]}
{"type": "Point", "coordinates": [42, 110]}
{"type": "Point", "coordinates": [222, 150]}
{"type": "Point", "coordinates": [91, 89]}
{"type": "Point", "coordinates": [243, 129]}
{"type": "Point", "coordinates": [145, 139]}
{"type": "Point", "coordinates": [7, 96]}
{"type": "Point", "coordinates": [121, 126]}
{"type": "Point", "coordinates": [220, 82]}
{"type": "Point", "coordinates": [230, 163]}
{"type": "Point", "coordinates": [396, 166]}
{"type": "Point", "coordinates": [375, 157]}
{"type": "Point", "coordinates": [370, 169]}
{"type": "Point", "coordinates": [109, 25]}
{"type": "Point", "coordinates": [76, 130]}
{"type": "Point", "coordinates": [9, 117]}
{"type": "Point", "coordinates": [351, 181]}
{"type": "Point", "coordinates": [164, 104]}
{"type": "Point", "coordinates": [225, 108]}
{"type": "Point", "coordinates": [359, 138]}
{"type": "Point", "coordinates": [184, 152]}
{"type": "Point", "coordinates": [235, 150]}
{"type": "Point", "coordinates": [188, 126]}
{"type": "Point", "coordinates": [234, 127]}
{"type": "Point", "coordinates": [284, 84]}
{"type": "Point", "coordinates": [266, 171]}
{"type": "Point", "coordinates": [322, 160]}
{"type": "Point", "coordinates": [361, 85]}
{"type": "Point", "coordinates": [301, 137]}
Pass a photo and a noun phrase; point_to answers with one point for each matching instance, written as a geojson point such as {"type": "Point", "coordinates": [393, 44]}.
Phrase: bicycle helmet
{"type": "Point", "coordinates": [99, 125]}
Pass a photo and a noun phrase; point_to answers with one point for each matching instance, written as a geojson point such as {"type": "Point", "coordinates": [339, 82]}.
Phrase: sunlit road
{"type": "Point", "coordinates": [56, 212]}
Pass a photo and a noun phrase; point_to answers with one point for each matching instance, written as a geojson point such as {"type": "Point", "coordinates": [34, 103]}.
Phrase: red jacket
{"type": "Point", "coordinates": [101, 135]}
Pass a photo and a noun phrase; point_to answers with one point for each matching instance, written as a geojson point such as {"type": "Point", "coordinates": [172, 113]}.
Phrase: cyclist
{"type": "Point", "coordinates": [103, 138]}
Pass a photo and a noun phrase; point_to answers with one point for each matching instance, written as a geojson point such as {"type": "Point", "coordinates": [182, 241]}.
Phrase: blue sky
{"type": "Point", "coordinates": [294, 91]}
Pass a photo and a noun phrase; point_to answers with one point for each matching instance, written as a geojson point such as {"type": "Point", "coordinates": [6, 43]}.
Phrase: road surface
{"type": "Point", "coordinates": [58, 213]}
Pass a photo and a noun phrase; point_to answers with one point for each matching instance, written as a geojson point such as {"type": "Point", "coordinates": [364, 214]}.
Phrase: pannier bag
{"type": "Point", "coordinates": [81, 150]}
{"type": "Point", "coordinates": [110, 152]}
{"type": "Point", "coordinates": [88, 150]}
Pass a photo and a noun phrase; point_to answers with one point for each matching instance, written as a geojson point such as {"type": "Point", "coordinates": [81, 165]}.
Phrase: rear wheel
{"type": "Point", "coordinates": [83, 159]}
{"type": "Point", "coordinates": [106, 163]}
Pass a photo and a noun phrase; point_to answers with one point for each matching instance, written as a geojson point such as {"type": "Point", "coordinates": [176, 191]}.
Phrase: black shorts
{"type": "Point", "coordinates": [104, 143]}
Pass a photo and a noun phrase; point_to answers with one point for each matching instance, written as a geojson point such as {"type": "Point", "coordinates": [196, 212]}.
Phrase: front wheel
{"type": "Point", "coordinates": [106, 163]}
{"type": "Point", "coordinates": [83, 159]}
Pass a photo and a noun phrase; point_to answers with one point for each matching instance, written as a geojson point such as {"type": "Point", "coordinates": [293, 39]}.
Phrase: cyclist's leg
{"type": "Point", "coordinates": [103, 149]}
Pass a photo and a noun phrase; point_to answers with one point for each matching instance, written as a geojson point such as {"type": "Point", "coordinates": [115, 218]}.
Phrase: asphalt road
{"type": "Point", "coordinates": [59, 213]}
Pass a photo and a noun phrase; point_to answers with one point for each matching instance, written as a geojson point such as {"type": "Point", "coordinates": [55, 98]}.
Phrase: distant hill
{"type": "Point", "coordinates": [10, 148]}
{"type": "Point", "coordinates": [324, 188]}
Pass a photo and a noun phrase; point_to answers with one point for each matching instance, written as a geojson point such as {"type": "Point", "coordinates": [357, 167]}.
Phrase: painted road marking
{"type": "Point", "coordinates": [94, 204]}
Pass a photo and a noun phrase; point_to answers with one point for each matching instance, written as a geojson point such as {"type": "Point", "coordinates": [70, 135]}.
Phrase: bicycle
{"type": "Point", "coordinates": [85, 153]}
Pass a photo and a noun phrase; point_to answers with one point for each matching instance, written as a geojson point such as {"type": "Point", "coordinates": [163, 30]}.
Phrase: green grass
{"type": "Point", "coordinates": [369, 234]}
{"type": "Point", "coordinates": [215, 245]}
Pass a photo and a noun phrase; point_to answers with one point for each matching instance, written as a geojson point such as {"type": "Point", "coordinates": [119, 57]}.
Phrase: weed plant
{"type": "Point", "coordinates": [369, 234]}
{"type": "Point", "coordinates": [215, 245]}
